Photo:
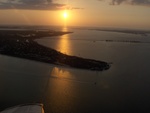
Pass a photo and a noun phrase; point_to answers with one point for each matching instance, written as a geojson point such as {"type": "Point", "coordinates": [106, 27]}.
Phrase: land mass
{"type": "Point", "coordinates": [137, 32]}
{"type": "Point", "coordinates": [20, 43]}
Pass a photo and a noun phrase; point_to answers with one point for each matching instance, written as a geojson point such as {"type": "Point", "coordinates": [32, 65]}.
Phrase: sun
{"type": "Point", "coordinates": [65, 14]}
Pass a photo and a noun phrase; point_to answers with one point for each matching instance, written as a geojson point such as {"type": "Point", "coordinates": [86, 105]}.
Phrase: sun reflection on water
{"type": "Point", "coordinates": [65, 29]}
{"type": "Point", "coordinates": [61, 91]}
{"type": "Point", "coordinates": [61, 73]}
{"type": "Point", "coordinates": [64, 43]}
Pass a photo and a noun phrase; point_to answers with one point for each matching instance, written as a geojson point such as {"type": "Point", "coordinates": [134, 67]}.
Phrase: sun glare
{"type": "Point", "coordinates": [65, 14]}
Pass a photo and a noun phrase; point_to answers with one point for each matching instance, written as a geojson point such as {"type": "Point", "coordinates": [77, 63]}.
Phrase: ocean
{"type": "Point", "coordinates": [124, 88]}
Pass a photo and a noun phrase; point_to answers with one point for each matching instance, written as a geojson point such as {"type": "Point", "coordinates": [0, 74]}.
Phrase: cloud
{"type": "Point", "coordinates": [77, 8]}
{"type": "Point", "coordinates": [69, 7]}
{"type": "Point", "coordinates": [30, 4]}
{"type": "Point", "coordinates": [131, 2]}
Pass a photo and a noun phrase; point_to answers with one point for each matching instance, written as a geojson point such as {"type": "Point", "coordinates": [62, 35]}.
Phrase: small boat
{"type": "Point", "coordinates": [25, 108]}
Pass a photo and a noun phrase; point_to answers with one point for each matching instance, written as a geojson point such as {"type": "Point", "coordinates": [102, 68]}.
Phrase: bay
{"type": "Point", "coordinates": [121, 89]}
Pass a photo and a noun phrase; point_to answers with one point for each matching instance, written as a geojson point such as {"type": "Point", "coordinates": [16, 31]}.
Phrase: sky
{"type": "Point", "coordinates": [94, 13]}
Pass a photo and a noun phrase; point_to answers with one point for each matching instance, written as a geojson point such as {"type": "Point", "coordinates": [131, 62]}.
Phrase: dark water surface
{"type": "Point", "coordinates": [124, 88]}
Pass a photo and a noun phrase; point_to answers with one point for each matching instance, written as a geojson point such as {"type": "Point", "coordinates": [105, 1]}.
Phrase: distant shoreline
{"type": "Point", "coordinates": [137, 32]}
{"type": "Point", "coordinates": [143, 32]}
{"type": "Point", "coordinates": [21, 44]}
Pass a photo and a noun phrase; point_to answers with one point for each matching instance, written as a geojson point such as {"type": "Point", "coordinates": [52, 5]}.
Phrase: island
{"type": "Point", "coordinates": [20, 43]}
{"type": "Point", "coordinates": [120, 30]}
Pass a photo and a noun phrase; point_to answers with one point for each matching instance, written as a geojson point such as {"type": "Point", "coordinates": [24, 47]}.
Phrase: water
{"type": "Point", "coordinates": [124, 88]}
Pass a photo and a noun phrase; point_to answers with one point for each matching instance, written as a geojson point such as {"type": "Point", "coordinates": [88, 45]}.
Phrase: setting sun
{"type": "Point", "coordinates": [65, 14]}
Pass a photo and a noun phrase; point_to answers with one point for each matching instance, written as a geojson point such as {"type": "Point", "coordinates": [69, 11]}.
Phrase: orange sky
{"type": "Point", "coordinates": [82, 13]}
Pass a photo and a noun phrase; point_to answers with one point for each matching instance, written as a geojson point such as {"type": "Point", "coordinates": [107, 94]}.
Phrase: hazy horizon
{"type": "Point", "coordinates": [94, 13]}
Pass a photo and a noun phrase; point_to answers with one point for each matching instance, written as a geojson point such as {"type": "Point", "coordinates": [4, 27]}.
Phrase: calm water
{"type": "Point", "coordinates": [124, 88]}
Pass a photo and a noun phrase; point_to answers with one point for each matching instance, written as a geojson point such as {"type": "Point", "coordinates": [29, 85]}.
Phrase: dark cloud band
{"type": "Point", "coordinates": [30, 4]}
{"type": "Point", "coordinates": [131, 2]}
